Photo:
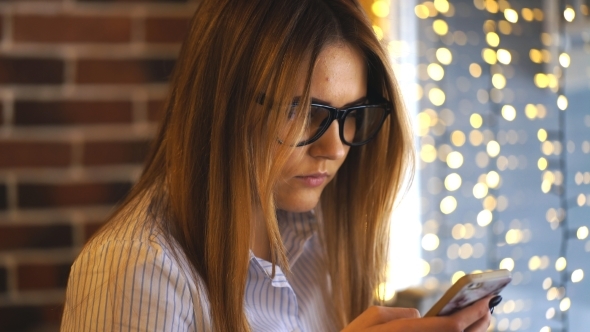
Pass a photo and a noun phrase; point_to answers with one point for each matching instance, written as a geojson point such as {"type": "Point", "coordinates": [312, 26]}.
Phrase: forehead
{"type": "Point", "coordinates": [340, 75]}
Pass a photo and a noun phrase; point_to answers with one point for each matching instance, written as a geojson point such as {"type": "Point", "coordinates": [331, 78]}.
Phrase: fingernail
{"type": "Point", "coordinates": [494, 302]}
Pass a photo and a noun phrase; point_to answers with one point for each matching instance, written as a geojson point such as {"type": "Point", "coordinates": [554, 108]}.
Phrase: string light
{"type": "Point", "coordinates": [436, 96]}
{"type": "Point", "coordinates": [455, 160]}
{"type": "Point", "coordinates": [509, 112]}
{"type": "Point", "coordinates": [582, 233]}
{"type": "Point", "coordinates": [440, 27]}
{"type": "Point", "coordinates": [492, 39]}
{"type": "Point", "coordinates": [565, 304]}
{"type": "Point", "coordinates": [453, 182]}
{"type": "Point", "coordinates": [489, 56]}
{"type": "Point", "coordinates": [448, 205]}
{"type": "Point", "coordinates": [430, 242]}
{"type": "Point", "coordinates": [494, 110]}
{"type": "Point", "coordinates": [577, 275]}
{"type": "Point", "coordinates": [380, 8]}
{"type": "Point", "coordinates": [476, 120]}
{"type": "Point", "coordinates": [527, 14]}
{"type": "Point", "coordinates": [378, 32]}
{"type": "Point", "coordinates": [569, 14]}
{"type": "Point", "coordinates": [421, 11]}
{"type": "Point", "coordinates": [507, 263]}
{"type": "Point", "coordinates": [504, 56]}
{"type": "Point", "coordinates": [444, 56]}
{"type": "Point", "coordinates": [475, 70]}
{"type": "Point", "coordinates": [511, 15]}
{"type": "Point", "coordinates": [442, 6]}
{"type": "Point", "coordinates": [435, 71]}
{"type": "Point", "coordinates": [562, 102]}
{"type": "Point", "coordinates": [564, 60]}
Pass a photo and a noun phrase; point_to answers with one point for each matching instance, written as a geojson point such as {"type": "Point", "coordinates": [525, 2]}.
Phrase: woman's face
{"type": "Point", "coordinates": [339, 80]}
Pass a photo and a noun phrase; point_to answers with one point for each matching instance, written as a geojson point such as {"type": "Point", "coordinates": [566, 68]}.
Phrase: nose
{"type": "Point", "coordinates": [329, 146]}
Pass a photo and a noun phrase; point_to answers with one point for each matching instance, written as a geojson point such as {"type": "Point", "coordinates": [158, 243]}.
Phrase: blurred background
{"type": "Point", "coordinates": [499, 93]}
{"type": "Point", "coordinates": [500, 97]}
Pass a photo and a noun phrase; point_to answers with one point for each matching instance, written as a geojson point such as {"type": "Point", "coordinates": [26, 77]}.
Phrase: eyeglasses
{"type": "Point", "coordinates": [358, 125]}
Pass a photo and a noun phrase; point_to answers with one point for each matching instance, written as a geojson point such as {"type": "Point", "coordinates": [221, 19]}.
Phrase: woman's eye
{"type": "Point", "coordinates": [318, 116]}
{"type": "Point", "coordinates": [354, 113]}
{"type": "Point", "coordinates": [292, 112]}
{"type": "Point", "coordinates": [315, 112]}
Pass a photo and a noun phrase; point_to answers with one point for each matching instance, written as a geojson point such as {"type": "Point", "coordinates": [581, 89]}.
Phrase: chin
{"type": "Point", "coordinates": [292, 204]}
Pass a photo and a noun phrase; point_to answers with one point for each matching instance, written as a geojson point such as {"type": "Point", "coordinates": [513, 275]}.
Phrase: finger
{"type": "Point", "coordinates": [377, 315]}
{"type": "Point", "coordinates": [384, 314]}
{"type": "Point", "coordinates": [481, 325]}
{"type": "Point", "coordinates": [438, 324]}
{"type": "Point", "coordinates": [471, 314]}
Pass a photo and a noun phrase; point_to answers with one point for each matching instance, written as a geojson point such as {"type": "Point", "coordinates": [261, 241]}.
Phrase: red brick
{"type": "Point", "coordinates": [71, 29]}
{"type": "Point", "coordinates": [35, 237]}
{"type": "Point", "coordinates": [31, 71]}
{"type": "Point", "coordinates": [76, 194]}
{"type": "Point", "coordinates": [166, 29]}
{"type": "Point", "coordinates": [122, 152]}
{"type": "Point", "coordinates": [155, 110]}
{"type": "Point", "coordinates": [3, 280]}
{"type": "Point", "coordinates": [68, 112]}
{"type": "Point", "coordinates": [34, 154]}
{"type": "Point", "coordinates": [42, 276]}
{"type": "Point", "coordinates": [30, 317]}
{"type": "Point", "coordinates": [130, 71]}
{"type": "Point", "coordinates": [135, 1]}
{"type": "Point", "coordinates": [3, 197]}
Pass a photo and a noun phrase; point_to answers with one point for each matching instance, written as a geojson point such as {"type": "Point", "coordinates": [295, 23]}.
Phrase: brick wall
{"type": "Point", "coordinates": [81, 84]}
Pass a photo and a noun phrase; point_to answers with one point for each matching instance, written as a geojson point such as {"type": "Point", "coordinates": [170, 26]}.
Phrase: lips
{"type": "Point", "coordinates": [313, 180]}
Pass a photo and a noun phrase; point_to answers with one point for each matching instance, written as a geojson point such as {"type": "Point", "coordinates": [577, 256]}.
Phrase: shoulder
{"type": "Point", "coordinates": [135, 243]}
{"type": "Point", "coordinates": [131, 268]}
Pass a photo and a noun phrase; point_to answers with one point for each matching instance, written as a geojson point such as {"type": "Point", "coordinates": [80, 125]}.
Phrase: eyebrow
{"type": "Point", "coordinates": [359, 101]}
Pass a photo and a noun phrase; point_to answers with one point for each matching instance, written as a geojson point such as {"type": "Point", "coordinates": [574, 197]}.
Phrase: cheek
{"type": "Point", "coordinates": [292, 166]}
{"type": "Point", "coordinates": [289, 194]}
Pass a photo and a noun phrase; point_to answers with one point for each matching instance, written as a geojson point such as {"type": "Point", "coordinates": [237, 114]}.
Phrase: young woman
{"type": "Point", "coordinates": [265, 203]}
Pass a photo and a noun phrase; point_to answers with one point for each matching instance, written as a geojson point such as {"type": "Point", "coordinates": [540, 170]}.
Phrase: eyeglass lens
{"type": "Point", "coordinates": [359, 125]}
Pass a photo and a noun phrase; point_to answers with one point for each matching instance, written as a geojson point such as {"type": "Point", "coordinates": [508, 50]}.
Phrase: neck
{"type": "Point", "coordinates": [260, 244]}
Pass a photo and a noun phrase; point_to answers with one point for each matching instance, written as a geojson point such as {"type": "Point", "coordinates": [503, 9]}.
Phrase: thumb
{"type": "Point", "coordinates": [377, 315]}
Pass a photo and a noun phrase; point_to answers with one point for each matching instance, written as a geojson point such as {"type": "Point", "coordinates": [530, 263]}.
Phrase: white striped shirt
{"type": "Point", "coordinates": [126, 279]}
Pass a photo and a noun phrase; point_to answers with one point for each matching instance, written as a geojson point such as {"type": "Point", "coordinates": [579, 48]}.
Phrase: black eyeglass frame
{"type": "Point", "coordinates": [340, 115]}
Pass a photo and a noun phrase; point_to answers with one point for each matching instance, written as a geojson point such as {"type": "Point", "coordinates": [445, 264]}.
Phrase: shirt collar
{"type": "Point", "coordinates": [296, 229]}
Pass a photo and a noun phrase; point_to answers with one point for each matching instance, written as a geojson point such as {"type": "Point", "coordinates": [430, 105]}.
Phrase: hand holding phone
{"type": "Point", "coordinates": [469, 289]}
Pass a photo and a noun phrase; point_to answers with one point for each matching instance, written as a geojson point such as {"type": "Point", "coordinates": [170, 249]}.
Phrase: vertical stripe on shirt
{"type": "Point", "coordinates": [127, 279]}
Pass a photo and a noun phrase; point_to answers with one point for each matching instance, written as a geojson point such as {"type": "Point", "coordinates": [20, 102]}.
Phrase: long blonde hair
{"type": "Point", "coordinates": [216, 157]}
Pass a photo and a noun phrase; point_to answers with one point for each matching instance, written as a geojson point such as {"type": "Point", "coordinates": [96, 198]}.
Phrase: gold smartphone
{"type": "Point", "coordinates": [469, 289]}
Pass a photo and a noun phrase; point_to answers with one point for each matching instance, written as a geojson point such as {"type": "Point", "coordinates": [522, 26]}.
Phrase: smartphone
{"type": "Point", "coordinates": [469, 289]}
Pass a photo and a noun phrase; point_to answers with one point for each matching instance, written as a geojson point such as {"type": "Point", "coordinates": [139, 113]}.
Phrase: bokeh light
{"type": "Point", "coordinates": [507, 263]}
{"type": "Point", "coordinates": [511, 15]}
{"type": "Point", "coordinates": [577, 275]}
{"type": "Point", "coordinates": [508, 112]}
{"type": "Point", "coordinates": [454, 160]}
{"type": "Point", "coordinates": [380, 8]}
{"type": "Point", "coordinates": [444, 56]}
{"type": "Point", "coordinates": [440, 27]}
{"type": "Point", "coordinates": [569, 14]}
{"type": "Point", "coordinates": [430, 242]}
{"type": "Point", "coordinates": [475, 70]}
{"type": "Point", "coordinates": [453, 182]}
{"type": "Point", "coordinates": [504, 56]}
